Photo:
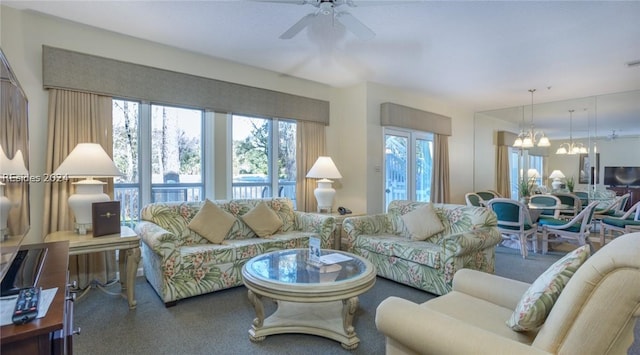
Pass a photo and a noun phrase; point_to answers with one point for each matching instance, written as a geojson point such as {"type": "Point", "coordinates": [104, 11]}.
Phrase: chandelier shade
{"type": "Point", "coordinates": [571, 147]}
{"type": "Point", "coordinates": [530, 138]}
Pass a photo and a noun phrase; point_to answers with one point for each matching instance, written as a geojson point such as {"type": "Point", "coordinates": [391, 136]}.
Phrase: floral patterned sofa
{"type": "Point", "coordinates": [468, 240]}
{"type": "Point", "coordinates": [180, 263]}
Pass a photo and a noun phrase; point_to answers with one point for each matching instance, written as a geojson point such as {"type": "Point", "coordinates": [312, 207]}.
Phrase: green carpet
{"type": "Point", "coordinates": [217, 323]}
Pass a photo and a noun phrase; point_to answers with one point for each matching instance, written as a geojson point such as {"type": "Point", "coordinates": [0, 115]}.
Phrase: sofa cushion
{"type": "Point", "coordinates": [212, 222]}
{"type": "Point", "coordinates": [262, 220]}
{"type": "Point", "coordinates": [423, 222]}
{"type": "Point", "coordinates": [536, 303]}
{"type": "Point", "coordinates": [402, 248]}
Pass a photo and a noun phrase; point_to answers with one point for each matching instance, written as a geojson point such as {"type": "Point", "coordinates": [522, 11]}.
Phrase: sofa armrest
{"type": "Point", "coordinates": [157, 238]}
{"type": "Point", "coordinates": [364, 225]}
{"type": "Point", "coordinates": [321, 224]}
{"type": "Point", "coordinates": [470, 242]}
{"type": "Point", "coordinates": [495, 289]}
{"type": "Point", "coordinates": [425, 331]}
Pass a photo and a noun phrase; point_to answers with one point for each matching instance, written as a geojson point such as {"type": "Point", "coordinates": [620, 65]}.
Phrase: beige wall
{"type": "Point", "coordinates": [354, 137]}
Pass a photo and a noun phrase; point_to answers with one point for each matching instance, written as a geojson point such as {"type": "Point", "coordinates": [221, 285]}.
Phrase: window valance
{"type": "Point", "coordinates": [407, 117]}
{"type": "Point", "coordinates": [65, 69]}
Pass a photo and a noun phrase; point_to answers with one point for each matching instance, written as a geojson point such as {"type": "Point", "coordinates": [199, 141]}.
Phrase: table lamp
{"type": "Point", "coordinates": [557, 177]}
{"type": "Point", "coordinates": [10, 169]}
{"type": "Point", "coordinates": [324, 169]}
{"type": "Point", "coordinates": [87, 160]}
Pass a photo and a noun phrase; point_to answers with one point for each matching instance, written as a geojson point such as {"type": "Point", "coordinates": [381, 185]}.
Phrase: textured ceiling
{"type": "Point", "coordinates": [484, 55]}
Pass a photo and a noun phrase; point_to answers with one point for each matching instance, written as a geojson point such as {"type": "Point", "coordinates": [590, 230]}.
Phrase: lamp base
{"type": "Point", "coordinates": [324, 195]}
{"type": "Point", "coordinates": [87, 192]}
{"type": "Point", "coordinates": [556, 184]}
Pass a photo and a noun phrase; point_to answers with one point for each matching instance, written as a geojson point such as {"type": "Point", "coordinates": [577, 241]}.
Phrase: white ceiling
{"type": "Point", "coordinates": [484, 55]}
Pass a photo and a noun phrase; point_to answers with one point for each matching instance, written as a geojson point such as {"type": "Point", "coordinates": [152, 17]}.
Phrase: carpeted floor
{"type": "Point", "coordinates": [217, 323]}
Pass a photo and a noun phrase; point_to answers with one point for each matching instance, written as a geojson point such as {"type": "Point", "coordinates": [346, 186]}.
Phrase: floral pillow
{"type": "Point", "coordinates": [536, 303]}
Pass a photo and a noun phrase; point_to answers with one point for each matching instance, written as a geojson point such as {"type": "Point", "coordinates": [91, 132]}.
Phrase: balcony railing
{"type": "Point", "coordinates": [129, 195]}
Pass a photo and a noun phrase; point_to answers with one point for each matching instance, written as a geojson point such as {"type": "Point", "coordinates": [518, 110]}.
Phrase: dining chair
{"type": "Point", "coordinates": [584, 197]}
{"type": "Point", "coordinates": [614, 209]}
{"type": "Point", "coordinates": [487, 195]}
{"type": "Point", "coordinates": [570, 200]}
{"type": "Point", "coordinates": [514, 219]}
{"type": "Point", "coordinates": [630, 219]}
{"type": "Point", "coordinates": [473, 199]}
{"type": "Point", "coordinates": [575, 231]}
{"type": "Point", "coordinates": [546, 200]}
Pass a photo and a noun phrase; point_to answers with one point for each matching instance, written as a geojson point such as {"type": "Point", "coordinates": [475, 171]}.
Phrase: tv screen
{"type": "Point", "coordinates": [622, 175]}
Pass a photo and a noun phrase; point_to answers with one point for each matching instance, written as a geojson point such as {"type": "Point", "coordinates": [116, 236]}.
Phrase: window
{"type": "Point", "coordinates": [176, 154]}
{"type": "Point", "coordinates": [257, 171]}
{"type": "Point", "coordinates": [408, 154]}
{"type": "Point", "coordinates": [520, 161]}
{"type": "Point", "coordinates": [167, 166]}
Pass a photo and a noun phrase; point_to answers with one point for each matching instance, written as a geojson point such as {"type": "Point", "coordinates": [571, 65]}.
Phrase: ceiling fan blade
{"type": "Point", "coordinates": [298, 26]}
{"type": "Point", "coordinates": [292, 2]}
{"type": "Point", "coordinates": [354, 25]}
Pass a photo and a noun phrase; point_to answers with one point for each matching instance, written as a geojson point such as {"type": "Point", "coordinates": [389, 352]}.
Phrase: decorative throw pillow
{"type": "Point", "coordinates": [423, 222]}
{"type": "Point", "coordinates": [536, 303]}
{"type": "Point", "coordinates": [262, 220]}
{"type": "Point", "coordinates": [212, 222]}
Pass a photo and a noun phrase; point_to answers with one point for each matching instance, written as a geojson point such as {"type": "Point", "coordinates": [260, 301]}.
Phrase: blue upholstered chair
{"type": "Point", "coordinates": [620, 224]}
{"type": "Point", "coordinates": [487, 195]}
{"type": "Point", "coordinates": [570, 200]}
{"type": "Point", "coordinates": [473, 199]}
{"type": "Point", "coordinates": [575, 231]}
{"type": "Point", "coordinates": [514, 219]}
{"type": "Point", "coordinates": [547, 200]}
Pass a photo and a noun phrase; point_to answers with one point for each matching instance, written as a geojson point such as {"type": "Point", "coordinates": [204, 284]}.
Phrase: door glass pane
{"type": "Point", "coordinates": [176, 154]}
{"type": "Point", "coordinates": [250, 154]}
{"type": "Point", "coordinates": [396, 168]}
{"type": "Point", "coordinates": [424, 163]}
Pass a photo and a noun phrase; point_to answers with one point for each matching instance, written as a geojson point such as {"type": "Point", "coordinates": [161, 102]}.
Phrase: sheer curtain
{"type": "Point", "coordinates": [440, 184]}
{"type": "Point", "coordinates": [76, 117]}
{"type": "Point", "coordinates": [310, 145]}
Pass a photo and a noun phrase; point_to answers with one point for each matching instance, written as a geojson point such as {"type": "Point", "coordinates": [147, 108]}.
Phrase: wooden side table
{"type": "Point", "coordinates": [127, 240]}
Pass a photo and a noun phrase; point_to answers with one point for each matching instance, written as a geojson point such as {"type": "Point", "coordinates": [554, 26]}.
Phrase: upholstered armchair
{"type": "Point", "coordinates": [620, 225]}
{"type": "Point", "coordinates": [595, 313]}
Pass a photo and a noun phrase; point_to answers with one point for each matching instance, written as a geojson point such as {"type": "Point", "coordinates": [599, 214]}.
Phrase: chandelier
{"type": "Point", "coordinates": [571, 148]}
{"type": "Point", "coordinates": [529, 139]}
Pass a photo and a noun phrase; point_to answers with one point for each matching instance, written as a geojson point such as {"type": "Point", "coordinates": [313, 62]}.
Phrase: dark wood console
{"type": "Point", "coordinates": [634, 191]}
{"type": "Point", "coordinates": [53, 333]}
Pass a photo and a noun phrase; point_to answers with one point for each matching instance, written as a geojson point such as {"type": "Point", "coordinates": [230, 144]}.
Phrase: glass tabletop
{"type": "Point", "coordinates": [292, 267]}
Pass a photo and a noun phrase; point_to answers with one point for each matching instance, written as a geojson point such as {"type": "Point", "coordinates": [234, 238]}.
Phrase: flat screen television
{"type": "Point", "coordinates": [622, 175]}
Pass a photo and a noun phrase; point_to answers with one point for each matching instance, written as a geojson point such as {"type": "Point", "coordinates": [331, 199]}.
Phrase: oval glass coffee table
{"type": "Point", "coordinates": [318, 299]}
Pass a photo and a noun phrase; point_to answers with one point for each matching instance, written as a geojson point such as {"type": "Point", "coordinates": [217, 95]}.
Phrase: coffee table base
{"type": "Point", "coordinates": [333, 320]}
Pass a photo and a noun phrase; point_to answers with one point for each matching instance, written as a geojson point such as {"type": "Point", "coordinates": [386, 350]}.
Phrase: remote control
{"type": "Point", "coordinates": [27, 305]}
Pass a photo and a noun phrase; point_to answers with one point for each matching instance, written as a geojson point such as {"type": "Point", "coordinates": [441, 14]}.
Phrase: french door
{"type": "Point", "coordinates": [408, 165]}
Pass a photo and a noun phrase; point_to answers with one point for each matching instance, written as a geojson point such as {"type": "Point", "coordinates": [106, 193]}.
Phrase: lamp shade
{"type": "Point", "coordinates": [324, 168]}
{"type": "Point", "coordinates": [12, 167]}
{"type": "Point", "coordinates": [88, 160]}
{"type": "Point", "coordinates": [556, 174]}
{"type": "Point", "coordinates": [533, 174]}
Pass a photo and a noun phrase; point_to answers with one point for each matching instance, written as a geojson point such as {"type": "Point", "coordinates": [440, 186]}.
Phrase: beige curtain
{"type": "Point", "coordinates": [503, 182]}
{"type": "Point", "coordinates": [14, 137]}
{"type": "Point", "coordinates": [440, 178]}
{"type": "Point", "coordinates": [310, 145]}
{"type": "Point", "coordinates": [76, 117]}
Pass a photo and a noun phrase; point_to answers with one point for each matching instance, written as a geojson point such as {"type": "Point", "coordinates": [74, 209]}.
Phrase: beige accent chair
{"type": "Point", "coordinates": [595, 313]}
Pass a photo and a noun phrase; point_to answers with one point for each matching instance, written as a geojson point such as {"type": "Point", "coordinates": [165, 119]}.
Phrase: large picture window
{"type": "Point", "coordinates": [167, 165]}
{"type": "Point", "coordinates": [263, 156]}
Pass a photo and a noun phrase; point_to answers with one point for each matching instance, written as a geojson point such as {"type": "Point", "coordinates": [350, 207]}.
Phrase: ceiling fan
{"type": "Point", "coordinates": [332, 8]}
